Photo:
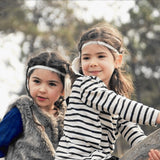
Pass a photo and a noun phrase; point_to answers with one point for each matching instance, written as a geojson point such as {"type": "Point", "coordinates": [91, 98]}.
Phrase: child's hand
{"type": "Point", "coordinates": [154, 154]}
{"type": "Point", "coordinates": [158, 119]}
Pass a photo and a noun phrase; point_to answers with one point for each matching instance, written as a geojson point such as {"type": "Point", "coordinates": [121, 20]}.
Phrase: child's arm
{"type": "Point", "coordinates": [131, 132]}
{"type": "Point", "coordinates": [95, 94]}
{"type": "Point", "coordinates": [10, 128]}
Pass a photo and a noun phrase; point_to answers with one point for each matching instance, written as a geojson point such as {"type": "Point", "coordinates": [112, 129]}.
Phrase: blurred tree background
{"type": "Point", "coordinates": [50, 24]}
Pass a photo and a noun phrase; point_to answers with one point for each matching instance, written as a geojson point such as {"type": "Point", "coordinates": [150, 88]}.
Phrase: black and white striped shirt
{"type": "Point", "coordinates": [95, 116]}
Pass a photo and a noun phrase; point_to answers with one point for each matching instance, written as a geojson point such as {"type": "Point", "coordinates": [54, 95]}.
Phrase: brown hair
{"type": "Point", "coordinates": [120, 81]}
{"type": "Point", "coordinates": [51, 59]}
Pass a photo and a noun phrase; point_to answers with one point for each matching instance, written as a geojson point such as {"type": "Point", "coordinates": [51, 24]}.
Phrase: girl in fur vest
{"type": "Point", "coordinates": [33, 124]}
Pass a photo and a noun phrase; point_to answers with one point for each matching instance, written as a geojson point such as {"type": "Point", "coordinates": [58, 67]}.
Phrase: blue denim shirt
{"type": "Point", "coordinates": [10, 128]}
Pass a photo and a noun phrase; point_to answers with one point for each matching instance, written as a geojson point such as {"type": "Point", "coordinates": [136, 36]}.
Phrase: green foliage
{"type": "Point", "coordinates": [47, 24]}
{"type": "Point", "coordinates": [143, 33]}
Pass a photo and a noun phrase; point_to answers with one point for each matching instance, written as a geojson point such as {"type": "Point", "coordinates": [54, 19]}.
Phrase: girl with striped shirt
{"type": "Point", "coordinates": [99, 107]}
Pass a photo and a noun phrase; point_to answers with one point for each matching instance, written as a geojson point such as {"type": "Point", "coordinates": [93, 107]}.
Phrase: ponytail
{"type": "Point", "coordinates": [121, 83]}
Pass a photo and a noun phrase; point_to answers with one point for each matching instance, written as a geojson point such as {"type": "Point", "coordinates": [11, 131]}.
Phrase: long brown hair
{"type": "Point", "coordinates": [120, 82]}
{"type": "Point", "coordinates": [51, 59]}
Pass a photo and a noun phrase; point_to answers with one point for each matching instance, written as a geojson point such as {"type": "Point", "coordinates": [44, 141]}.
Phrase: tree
{"type": "Point", "coordinates": [143, 33]}
{"type": "Point", "coordinates": [44, 24]}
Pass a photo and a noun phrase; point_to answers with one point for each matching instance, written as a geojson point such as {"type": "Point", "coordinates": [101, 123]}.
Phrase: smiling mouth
{"type": "Point", "coordinates": [94, 72]}
{"type": "Point", "coordinates": [41, 98]}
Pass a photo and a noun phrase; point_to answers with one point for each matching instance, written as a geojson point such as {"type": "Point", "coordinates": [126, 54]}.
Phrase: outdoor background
{"type": "Point", "coordinates": [28, 26]}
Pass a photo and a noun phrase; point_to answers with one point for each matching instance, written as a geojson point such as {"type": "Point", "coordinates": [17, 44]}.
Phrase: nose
{"type": "Point", "coordinates": [42, 88]}
{"type": "Point", "coordinates": [93, 63]}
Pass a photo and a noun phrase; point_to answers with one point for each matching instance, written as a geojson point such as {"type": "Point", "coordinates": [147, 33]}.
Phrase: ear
{"type": "Point", "coordinates": [118, 61]}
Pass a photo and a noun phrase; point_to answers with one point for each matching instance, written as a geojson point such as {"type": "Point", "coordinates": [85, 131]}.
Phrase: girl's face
{"type": "Point", "coordinates": [45, 88]}
{"type": "Point", "coordinates": [97, 60]}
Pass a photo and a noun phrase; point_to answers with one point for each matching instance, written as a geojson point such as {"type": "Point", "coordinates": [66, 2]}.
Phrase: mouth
{"type": "Point", "coordinates": [40, 98]}
{"type": "Point", "coordinates": [94, 72]}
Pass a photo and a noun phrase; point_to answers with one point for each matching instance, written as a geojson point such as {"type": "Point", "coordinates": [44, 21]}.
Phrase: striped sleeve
{"type": "Point", "coordinates": [94, 94]}
{"type": "Point", "coordinates": [131, 132]}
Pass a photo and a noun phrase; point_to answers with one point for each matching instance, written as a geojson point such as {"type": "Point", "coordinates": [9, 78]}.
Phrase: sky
{"type": "Point", "coordinates": [12, 77]}
{"type": "Point", "coordinates": [107, 9]}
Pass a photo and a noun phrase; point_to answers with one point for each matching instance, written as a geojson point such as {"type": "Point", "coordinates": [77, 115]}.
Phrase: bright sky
{"type": "Point", "coordinates": [12, 78]}
{"type": "Point", "coordinates": [109, 10]}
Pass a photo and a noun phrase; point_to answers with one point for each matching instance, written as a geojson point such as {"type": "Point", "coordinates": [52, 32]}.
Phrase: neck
{"type": "Point", "coordinates": [53, 111]}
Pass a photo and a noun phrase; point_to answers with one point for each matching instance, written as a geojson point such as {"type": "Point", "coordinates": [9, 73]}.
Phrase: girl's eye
{"type": "Point", "coordinates": [101, 56]}
{"type": "Point", "coordinates": [52, 84]}
{"type": "Point", "coordinates": [85, 58]}
{"type": "Point", "coordinates": [36, 81]}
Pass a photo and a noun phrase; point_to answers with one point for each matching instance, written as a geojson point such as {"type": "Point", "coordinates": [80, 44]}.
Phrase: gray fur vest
{"type": "Point", "coordinates": [41, 133]}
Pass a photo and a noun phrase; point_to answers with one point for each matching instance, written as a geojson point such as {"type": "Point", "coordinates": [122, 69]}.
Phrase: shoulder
{"type": "Point", "coordinates": [21, 102]}
{"type": "Point", "coordinates": [90, 79]}
{"type": "Point", "coordinates": [24, 100]}
{"type": "Point", "coordinates": [88, 82]}
{"type": "Point", "coordinates": [12, 114]}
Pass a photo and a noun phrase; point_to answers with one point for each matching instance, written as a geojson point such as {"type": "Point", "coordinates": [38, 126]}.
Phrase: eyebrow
{"type": "Point", "coordinates": [53, 81]}
{"type": "Point", "coordinates": [86, 54]}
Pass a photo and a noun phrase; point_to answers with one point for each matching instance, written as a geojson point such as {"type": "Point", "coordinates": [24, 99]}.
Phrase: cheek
{"type": "Point", "coordinates": [54, 96]}
{"type": "Point", "coordinates": [108, 67]}
{"type": "Point", "coordinates": [84, 67]}
{"type": "Point", "coordinates": [56, 93]}
{"type": "Point", "coordinates": [111, 68]}
{"type": "Point", "coordinates": [110, 71]}
{"type": "Point", "coordinates": [32, 91]}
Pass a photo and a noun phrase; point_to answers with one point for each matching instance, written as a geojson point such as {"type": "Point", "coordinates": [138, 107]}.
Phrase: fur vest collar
{"type": "Point", "coordinates": [41, 133]}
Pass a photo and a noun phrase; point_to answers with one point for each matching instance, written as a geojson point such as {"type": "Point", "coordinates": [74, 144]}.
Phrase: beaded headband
{"type": "Point", "coordinates": [67, 81]}
{"type": "Point", "coordinates": [45, 67]}
{"type": "Point", "coordinates": [76, 62]}
{"type": "Point", "coordinates": [100, 43]}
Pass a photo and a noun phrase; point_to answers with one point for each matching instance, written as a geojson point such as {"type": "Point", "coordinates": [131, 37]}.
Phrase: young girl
{"type": "Point", "coordinates": [98, 108]}
{"type": "Point", "coordinates": [33, 125]}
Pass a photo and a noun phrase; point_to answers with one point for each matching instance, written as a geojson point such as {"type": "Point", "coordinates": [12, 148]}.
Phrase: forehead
{"type": "Point", "coordinates": [95, 48]}
{"type": "Point", "coordinates": [45, 74]}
